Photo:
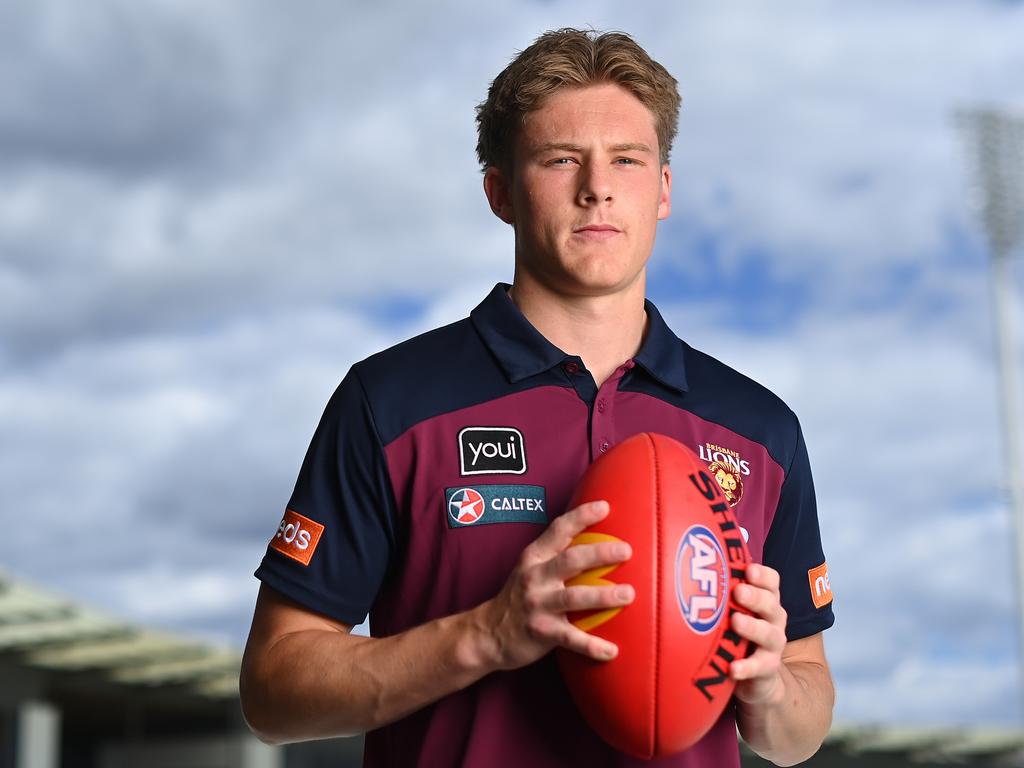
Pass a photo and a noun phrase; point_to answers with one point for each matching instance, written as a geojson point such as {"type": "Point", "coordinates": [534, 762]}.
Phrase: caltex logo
{"type": "Point", "coordinates": [466, 506]}
{"type": "Point", "coordinates": [702, 579]}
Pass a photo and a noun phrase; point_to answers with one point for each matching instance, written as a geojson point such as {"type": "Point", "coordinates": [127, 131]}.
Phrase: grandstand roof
{"type": "Point", "coordinates": [51, 634]}
{"type": "Point", "coordinates": [882, 746]}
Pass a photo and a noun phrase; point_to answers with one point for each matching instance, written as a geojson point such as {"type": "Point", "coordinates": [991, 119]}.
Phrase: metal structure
{"type": "Point", "coordinates": [51, 634]}
{"type": "Point", "coordinates": [995, 142]}
{"type": "Point", "coordinates": [911, 747]}
{"type": "Point", "coordinates": [78, 688]}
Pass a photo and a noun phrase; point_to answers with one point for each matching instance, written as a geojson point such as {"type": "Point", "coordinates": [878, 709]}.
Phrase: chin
{"type": "Point", "coordinates": [592, 273]}
{"type": "Point", "coordinates": [604, 285]}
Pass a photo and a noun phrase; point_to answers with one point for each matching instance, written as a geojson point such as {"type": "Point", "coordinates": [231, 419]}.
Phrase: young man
{"type": "Point", "coordinates": [434, 492]}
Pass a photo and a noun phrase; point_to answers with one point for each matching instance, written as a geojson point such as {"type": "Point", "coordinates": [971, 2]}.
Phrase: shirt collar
{"type": "Point", "coordinates": [520, 348]}
{"type": "Point", "coordinates": [522, 351]}
{"type": "Point", "coordinates": [662, 354]}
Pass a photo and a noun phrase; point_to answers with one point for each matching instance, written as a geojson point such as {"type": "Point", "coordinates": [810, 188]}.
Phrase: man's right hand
{"type": "Point", "coordinates": [305, 677]}
{"type": "Point", "coordinates": [527, 618]}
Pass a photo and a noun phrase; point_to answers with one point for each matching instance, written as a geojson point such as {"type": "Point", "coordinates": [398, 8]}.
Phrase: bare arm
{"type": "Point", "coordinates": [784, 691]}
{"type": "Point", "coordinates": [304, 676]}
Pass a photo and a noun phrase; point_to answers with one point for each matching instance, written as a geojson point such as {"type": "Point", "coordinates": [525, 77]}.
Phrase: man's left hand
{"type": "Point", "coordinates": [758, 678]}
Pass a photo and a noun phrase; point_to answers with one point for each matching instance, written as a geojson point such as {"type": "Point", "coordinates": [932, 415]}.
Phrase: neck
{"type": "Point", "coordinates": [604, 331]}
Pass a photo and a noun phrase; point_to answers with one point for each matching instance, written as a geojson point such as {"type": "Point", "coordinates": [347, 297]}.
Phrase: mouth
{"type": "Point", "coordinates": [597, 231]}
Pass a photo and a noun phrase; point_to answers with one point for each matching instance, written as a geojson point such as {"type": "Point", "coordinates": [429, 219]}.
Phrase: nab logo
{"type": "Point", "coordinates": [821, 587]}
{"type": "Point", "coordinates": [702, 579]}
{"type": "Point", "coordinates": [297, 537]}
{"type": "Point", "coordinates": [491, 451]}
{"type": "Point", "coordinates": [466, 506]}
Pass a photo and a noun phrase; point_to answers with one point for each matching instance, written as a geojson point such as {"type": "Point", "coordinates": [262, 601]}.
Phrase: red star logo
{"type": "Point", "coordinates": [466, 506]}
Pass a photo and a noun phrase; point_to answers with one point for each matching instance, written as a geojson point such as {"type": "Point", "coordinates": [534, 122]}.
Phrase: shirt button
{"type": "Point", "coordinates": [601, 405]}
{"type": "Point", "coordinates": [605, 446]}
{"type": "Point", "coordinates": [572, 368]}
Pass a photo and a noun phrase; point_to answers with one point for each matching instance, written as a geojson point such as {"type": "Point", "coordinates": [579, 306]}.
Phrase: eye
{"type": "Point", "coordinates": [561, 161]}
{"type": "Point", "coordinates": [627, 161]}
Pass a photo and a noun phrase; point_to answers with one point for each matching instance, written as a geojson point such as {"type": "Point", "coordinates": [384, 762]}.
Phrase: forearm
{"type": "Point", "coordinates": [790, 726]}
{"type": "Point", "coordinates": [321, 683]}
{"type": "Point", "coordinates": [304, 676]}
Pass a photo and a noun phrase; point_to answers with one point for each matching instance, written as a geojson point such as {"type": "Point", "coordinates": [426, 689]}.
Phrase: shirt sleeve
{"type": "Point", "coordinates": [793, 548]}
{"type": "Point", "coordinates": [334, 544]}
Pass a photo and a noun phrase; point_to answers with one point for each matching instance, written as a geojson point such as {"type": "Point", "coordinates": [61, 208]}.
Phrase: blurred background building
{"type": "Point", "coordinates": [82, 690]}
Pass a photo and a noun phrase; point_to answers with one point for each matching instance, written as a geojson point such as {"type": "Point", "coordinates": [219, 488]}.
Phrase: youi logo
{"type": "Point", "coordinates": [491, 451]}
{"type": "Point", "coordinates": [702, 579]}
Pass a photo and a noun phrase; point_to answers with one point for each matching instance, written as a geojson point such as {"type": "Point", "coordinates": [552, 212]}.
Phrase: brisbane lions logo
{"type": "Point", "coordinates": [728, 468]}
{"type": "Point", "coordinates": [730, 480]}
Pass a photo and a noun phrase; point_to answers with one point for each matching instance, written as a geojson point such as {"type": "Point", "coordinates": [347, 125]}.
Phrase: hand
{"type": "Point", "coordinates": [527, 618]}
{"type": "Point", "coordinates": [758, 678]}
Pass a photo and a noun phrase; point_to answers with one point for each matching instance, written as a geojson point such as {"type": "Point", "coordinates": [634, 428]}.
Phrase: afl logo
{"type": "Point", "coordinates": [466, 506]}
{"type": "Point", "coordinates": [702, 579]}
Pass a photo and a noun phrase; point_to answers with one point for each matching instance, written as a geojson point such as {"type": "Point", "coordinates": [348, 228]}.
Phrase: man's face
{"type": "Point", "coordinates": [586, 191]}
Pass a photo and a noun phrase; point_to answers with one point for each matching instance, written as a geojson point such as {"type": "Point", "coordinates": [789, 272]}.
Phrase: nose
{"type": "Point", "coordinates": [595, 184]}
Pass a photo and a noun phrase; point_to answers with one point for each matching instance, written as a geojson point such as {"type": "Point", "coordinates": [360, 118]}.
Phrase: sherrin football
{"type": "Point", "coordinates": [670, 681]}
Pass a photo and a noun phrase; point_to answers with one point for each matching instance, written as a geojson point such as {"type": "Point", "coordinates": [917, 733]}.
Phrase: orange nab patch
{"type": "Point", "coordinates": [297, 537]}
{"type": "Point", "coordinates": [821, 589]}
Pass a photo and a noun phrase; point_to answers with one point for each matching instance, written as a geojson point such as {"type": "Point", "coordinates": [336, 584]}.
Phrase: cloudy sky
{"type": "Point", "coordinates": [208, 211]}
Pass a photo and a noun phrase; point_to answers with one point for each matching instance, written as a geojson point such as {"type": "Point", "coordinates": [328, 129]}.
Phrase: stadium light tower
{"type": "Point", "coordinates": [995, 142]}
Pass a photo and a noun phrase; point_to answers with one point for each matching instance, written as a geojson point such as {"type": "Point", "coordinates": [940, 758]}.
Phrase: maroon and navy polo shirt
{"type": "Point", "coordinates": [438, 460]}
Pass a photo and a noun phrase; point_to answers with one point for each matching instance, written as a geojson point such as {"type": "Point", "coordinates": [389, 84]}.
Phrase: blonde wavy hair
{"type": "Point", "coordinates": [572, 58]}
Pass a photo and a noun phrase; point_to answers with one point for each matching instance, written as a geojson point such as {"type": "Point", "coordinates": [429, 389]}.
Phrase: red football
{"type": "Point", "coordinates": [670, 681]}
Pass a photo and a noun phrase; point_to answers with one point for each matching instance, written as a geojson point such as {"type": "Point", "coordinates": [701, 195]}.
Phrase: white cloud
{"type": "Point", "coordinates": [959, 690]}
{"type": "Point", "coordinates": [901, 426]}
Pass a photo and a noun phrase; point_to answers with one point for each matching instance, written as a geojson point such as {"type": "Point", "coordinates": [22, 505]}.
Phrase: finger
{"type": "Point", "coordinates": [762, 664]}
{"type": "Point", "coordinates": [583, 557]}
{"type": "Point", "coordinates": [761, 602]}
{"type": "Point", "coordinates": [557, 631]}
{"type": "Point", "coordinates": [575, 639]}
{"type": "Point", "coordinates": [761, 633]}
{"type": "Point", "coordinates": [763, 576]}
{"type": "Point", "coordinates": [584, 598]}
{"type": "Point", "coordinates": [565, 527]}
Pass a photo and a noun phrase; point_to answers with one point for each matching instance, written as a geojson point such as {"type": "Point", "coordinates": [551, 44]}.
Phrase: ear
{"type": "Point", "coordinates": [499, 194]}
{"type": "Point", "coordinates": [665, 201]}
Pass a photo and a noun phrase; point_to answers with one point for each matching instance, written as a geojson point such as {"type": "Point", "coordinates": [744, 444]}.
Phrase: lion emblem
{"type": "Point", "coordinates": [730, 479]}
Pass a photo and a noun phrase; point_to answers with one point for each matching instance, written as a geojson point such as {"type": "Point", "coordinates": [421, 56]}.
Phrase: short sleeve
{"type": "Point", "coordinates": [333, 546]}
{"type": "Point", "coordinates": [793, 548]}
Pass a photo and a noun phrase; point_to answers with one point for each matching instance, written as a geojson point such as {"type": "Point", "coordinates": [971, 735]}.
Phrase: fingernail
{"type": "Point", "coordinates": [609, 652]}
{"type": "Point", "coordinates": [624, 592]}
{"type": "Point", "coordinates": [623, 550]}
